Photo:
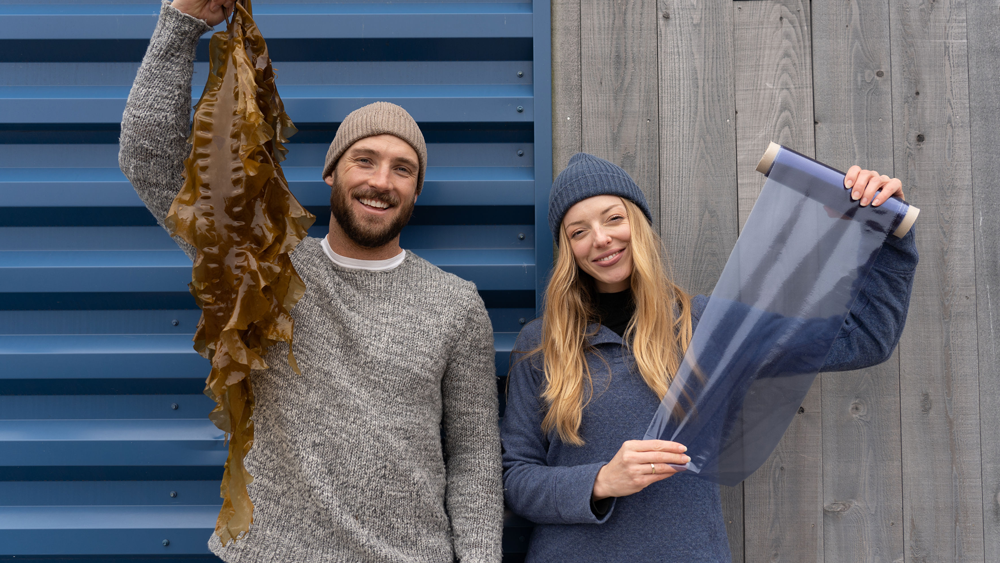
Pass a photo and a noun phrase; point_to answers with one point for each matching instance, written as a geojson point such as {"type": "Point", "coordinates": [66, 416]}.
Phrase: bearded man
{"type": "Point", "coordinates": [386, 447]}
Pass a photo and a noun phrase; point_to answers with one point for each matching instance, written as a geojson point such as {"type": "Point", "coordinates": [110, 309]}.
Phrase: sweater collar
{"type": "Point", "coordinates": [604, 336]}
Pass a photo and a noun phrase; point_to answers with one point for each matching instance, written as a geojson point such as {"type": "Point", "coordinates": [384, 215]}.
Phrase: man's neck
{"type": "Point", "coordinates": [344, 246]}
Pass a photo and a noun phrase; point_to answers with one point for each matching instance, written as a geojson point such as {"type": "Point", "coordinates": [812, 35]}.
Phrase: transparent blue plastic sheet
{"type": "Point", "coordinates": [771, 321]}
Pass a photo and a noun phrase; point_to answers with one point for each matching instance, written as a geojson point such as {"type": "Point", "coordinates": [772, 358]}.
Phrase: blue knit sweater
{"type": "Point", "coordinates": [680, 518]}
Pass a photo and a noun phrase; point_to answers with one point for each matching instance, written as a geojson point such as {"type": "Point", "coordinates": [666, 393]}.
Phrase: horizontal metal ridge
{"type": "Point", "coordinates": [440, 155]}
{"type": "Point", "coordinates": [319, 103]}
{"type": "Point", "coordinates": [155, 238]}
{"type": "Point", "coordinates": [94, 20]}
{"type": "Point", "coordinates": [170, 270]}
{"type": "Point", "coordinates": [288, 73]}
{"type": "Point", "coordinates": [108, 187]}
{"type": "Point", "coordinates": [139, 530]}
{"type": "Point", "coordinates": [106, 530]}
{"type": "Point", "coordinates": [128, 356]}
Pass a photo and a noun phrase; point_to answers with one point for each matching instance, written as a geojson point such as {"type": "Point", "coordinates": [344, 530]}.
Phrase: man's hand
{"type": "Point", "coordinates": [637, 465]}
{"type": "Point", "coordinates": [213, 12]}
{"type": "Point", "coordinates": [865, 184]}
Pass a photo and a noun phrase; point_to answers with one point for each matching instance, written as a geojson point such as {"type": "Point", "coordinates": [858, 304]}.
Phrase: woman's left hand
{"type": "Point", "coordinates": [865, 185]}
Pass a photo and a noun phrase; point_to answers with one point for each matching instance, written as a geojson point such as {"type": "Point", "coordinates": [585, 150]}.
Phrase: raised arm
{"type": "Point", "coordinates": [873, 327]}
{"type": "Point", "coordinates": [156, 123]}
{"type": "Point", "coordinates": [472, 442]}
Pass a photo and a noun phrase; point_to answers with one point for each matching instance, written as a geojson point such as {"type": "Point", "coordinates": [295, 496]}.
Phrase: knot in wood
{"type": "Point", "coordinates": [925, 403]}
{"type": "Point", "coordinates": [838, 506]}
{"type": "Point", "coordinates": [858, 408]}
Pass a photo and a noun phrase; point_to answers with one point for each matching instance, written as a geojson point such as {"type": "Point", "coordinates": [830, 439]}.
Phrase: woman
{"type": "Point", "coordinates": [588, 378]}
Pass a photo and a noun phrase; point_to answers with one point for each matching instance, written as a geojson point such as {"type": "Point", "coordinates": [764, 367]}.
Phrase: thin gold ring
{"type": "Point", "coordinates": [653, 468]}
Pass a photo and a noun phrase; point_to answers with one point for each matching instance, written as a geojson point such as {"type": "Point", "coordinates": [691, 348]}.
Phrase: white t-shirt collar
{"type": "Point", "coordinates": [356, 264]}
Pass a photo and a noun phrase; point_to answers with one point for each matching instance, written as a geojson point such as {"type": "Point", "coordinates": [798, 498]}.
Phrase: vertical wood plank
{"type": "Point", "coordinates": [862, 469]}
{"type": "Point", "coordinates": [698, 191]}
{"type": "Point", "coordinates": [567, 103]}
{"type": "Point", "coordinates": [619, 85]}
{"type": "Point", "coordinates": [984, 106]}
{"type": "Point", "coordinates": [774, 102]}
{"type": "Point", "coordinates": [939, 371]}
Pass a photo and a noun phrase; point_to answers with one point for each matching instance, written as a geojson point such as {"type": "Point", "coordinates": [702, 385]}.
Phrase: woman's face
{"type": "Point", "coordinates": [600, 237]}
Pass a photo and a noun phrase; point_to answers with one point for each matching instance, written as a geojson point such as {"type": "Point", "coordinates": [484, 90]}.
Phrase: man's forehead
{"type": "Point", "coordinates": [387, 145]}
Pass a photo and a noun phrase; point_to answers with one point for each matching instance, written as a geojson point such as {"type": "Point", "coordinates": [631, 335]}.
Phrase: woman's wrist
{"type": "Point", "coordinates": [600, 491]}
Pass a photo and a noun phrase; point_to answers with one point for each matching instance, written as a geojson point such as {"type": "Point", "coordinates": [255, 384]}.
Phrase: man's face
{"type": "Point", "coordinates": [374, 189]}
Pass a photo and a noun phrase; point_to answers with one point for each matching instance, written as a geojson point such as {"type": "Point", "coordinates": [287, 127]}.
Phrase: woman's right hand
{"type": "Point", "coordinates": [637, 465]}
{"type": "Point", "coordinates": [212, 11]}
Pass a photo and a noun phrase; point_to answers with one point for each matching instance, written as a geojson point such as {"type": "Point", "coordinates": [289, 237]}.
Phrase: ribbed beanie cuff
{"type": "Point", "coordinates": [586, 176]}
{"type": "Point", "coordinates": [379, 118]}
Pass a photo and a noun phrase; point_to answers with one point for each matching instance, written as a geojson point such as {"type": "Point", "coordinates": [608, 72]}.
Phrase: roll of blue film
{"type": "Point", "coordinates": [801, 259]}
{"type": "Point", "coordinates": [826, 184]}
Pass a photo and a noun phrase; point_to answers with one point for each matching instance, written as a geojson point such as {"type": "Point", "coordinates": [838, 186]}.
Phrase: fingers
{"type": "Point", "coordinates": [852, 176]}
{"type": "Point", "coordinates": [654, 445]}
{"type": "Point", "coordinates": [638, 461]}
{"type": "Point", "coordinates": [869, 186]}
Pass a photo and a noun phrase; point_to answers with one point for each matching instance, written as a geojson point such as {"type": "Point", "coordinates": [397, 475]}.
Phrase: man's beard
{"type": "Point", "coordinates": [364, 233]}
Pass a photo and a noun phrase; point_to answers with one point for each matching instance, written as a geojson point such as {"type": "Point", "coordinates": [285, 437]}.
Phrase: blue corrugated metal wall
{"type": "Point", "coordinates": [105, 448]}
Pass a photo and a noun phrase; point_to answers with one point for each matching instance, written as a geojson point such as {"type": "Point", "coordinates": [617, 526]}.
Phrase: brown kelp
{"type": "Point", "coordinates": [236, 210]}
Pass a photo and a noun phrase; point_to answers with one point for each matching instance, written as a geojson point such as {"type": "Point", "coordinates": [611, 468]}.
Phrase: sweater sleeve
{"type": "Point", "coordinates": [471, 441]}
{"type": "Point", "coordinates": [156, 122]}
{"type": "Point", "coordinates": [533, 489]}
{"type": "Point", "coordinates": [875, 323]}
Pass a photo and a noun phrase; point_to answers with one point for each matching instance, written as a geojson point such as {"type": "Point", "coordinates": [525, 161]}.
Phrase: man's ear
{"type": "Point", "coordinates": [329, 180]}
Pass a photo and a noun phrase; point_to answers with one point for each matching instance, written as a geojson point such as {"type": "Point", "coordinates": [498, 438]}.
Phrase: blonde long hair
{"type": "Point", "coordinates": [657, 334]}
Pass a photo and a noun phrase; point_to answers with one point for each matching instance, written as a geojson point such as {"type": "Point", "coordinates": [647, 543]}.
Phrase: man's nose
{"type": "Point", "coordinates": [380, 179]}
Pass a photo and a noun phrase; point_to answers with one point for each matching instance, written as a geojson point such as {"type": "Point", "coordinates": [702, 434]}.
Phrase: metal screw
{"type": "Point", "coordinates": [521, 320]}
{"type": "Point", "coordinates": [166, 543]}
{"type": "Point", "coordinates": [173, 494]}
{"type": "Point", "coordinates": [174, 406]}
{"type": "Point", "coordinates": [920, 138]}
{"type": "Point", "coordinates": [520, 236]}
{"type": "Point", "coordinates": [520, 109]}
{"type": "Point", "coordinates": [520, 74]}
{"type": "Point", "coordinates": [520, 153]}
{"type": "Point", "coordinates": [175, 322]}
{"type": "Point", "coordinates": [802, 410]}
{"type": "Point", "coordinates": [880, 74]}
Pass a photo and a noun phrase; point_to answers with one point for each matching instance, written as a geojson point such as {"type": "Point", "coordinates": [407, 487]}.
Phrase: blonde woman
{"type": "Point", "coordinates": [586, 379]}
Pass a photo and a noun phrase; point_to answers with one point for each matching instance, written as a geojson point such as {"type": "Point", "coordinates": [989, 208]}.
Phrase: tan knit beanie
{"type": "Point", "coordinates": [379, 118]}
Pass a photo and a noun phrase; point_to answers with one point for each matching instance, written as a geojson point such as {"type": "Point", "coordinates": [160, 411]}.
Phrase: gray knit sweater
{"type": "Point", "coordinates": [386, 448]}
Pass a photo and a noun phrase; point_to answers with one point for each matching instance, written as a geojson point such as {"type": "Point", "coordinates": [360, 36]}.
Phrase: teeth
{"type": "Point", "coordinates": [375, 203]}
{"type": "Point", "coordinates": [606, 258]}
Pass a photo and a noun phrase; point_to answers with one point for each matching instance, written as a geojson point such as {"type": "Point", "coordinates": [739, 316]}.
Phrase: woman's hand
{"type": "Point", "coordinates": [637, 465]}
{"type": "Point", "coordinates": [865, 184]}
{"type": "Point", "coordinates": [213, 12]}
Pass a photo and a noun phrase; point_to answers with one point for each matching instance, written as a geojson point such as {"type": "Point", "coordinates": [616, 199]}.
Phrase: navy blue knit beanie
{"type": "Point", "coordinates": [586, 176]}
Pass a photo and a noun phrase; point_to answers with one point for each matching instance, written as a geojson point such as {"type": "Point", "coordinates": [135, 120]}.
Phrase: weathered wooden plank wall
{"type": "Point", "coordinates": [900, 462]}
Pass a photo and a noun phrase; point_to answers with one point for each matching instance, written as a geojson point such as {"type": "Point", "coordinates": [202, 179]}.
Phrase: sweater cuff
{"type": "Point", "coordinates": [177, 33]}
{"type": "Point", "coordinates": [901, 253]}
{"type": "Point", "coordinates": [576, 487]}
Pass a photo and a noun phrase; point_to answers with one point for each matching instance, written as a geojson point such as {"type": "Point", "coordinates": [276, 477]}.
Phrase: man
{"type": "Point", "coordinates": [386, 447]}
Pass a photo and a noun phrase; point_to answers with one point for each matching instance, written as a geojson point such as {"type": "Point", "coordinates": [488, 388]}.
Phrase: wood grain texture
{"type": "Point", "coordinates": [774, 97]}
{"type": "Point", "coordinates": [939, 364]}
{"type": "Point", "coordinates": [862, 469]}
{"type": "Point", "coordinates": [567, 103]}
{"type": "Point", "coordinates": [619, 86]}
{"type": "Point", "coordinates": [984, 106]}
{"type": "Point", "coordinates": [698, 190]}
{"type": "Point", "coordinates": [774, 101]}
